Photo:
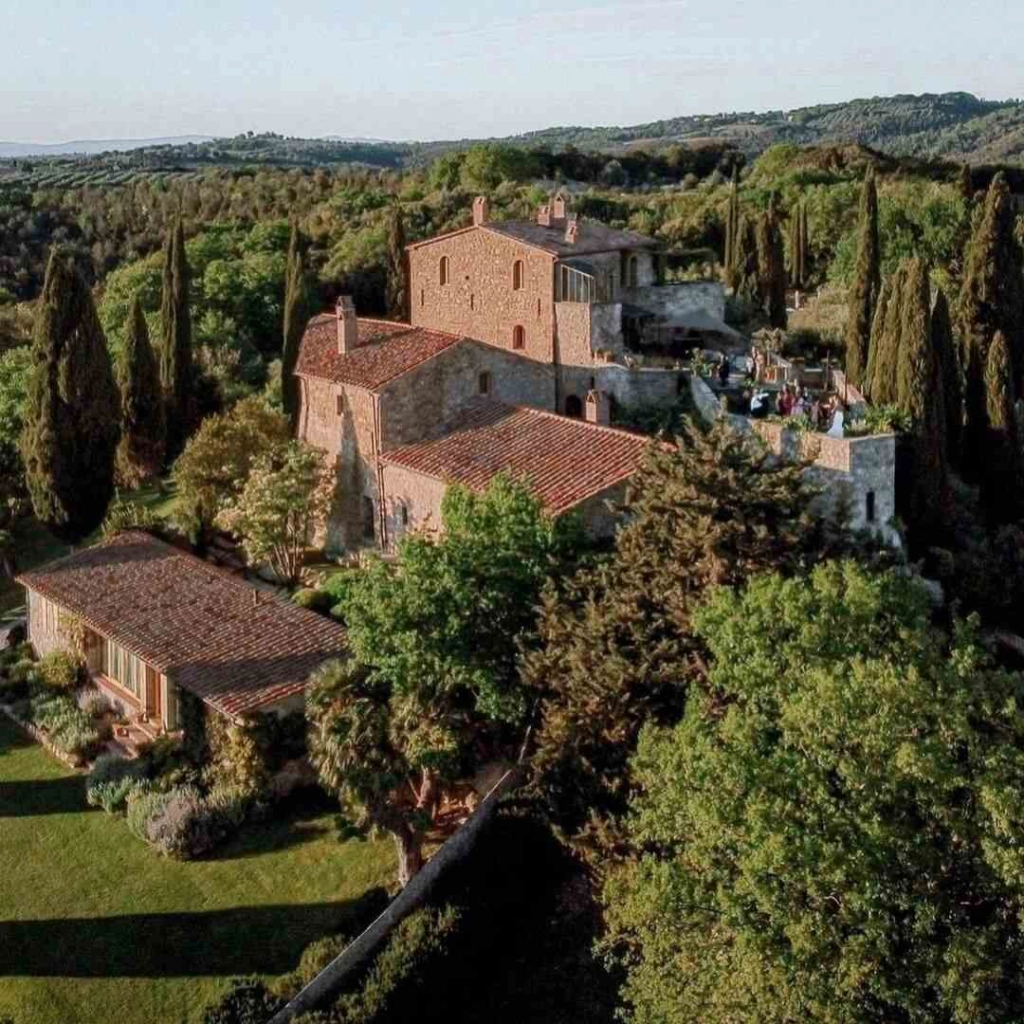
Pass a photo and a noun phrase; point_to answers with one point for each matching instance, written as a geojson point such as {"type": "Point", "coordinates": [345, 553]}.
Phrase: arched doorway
{"type": "Point", "coordinates": [574, 406]}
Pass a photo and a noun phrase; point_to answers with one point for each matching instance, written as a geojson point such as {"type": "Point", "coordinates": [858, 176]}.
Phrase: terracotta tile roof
{"type": "Point", "coordinates": [385, 351]}
{"type": "Point", "coordinates": [211, 633]}
{"type": "Point", "coordinates": [593, 237]}
{"type": "Point", "coordinates": [567, 460]}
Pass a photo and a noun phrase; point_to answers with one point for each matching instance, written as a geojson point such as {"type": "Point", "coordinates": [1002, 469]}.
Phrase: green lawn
{"type": "Point", "coordinates": [97, 929]}
{"type": "Point", "coordinates": [35, 545]}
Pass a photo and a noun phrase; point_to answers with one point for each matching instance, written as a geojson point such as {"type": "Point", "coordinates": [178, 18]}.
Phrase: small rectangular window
{"type": "Point", "coordinates": [485, 383]}
{"type": "Point", "coordinates": [341, 403]}
{"type": "Point", "coordinates": [869, 510]}
{"type": "Point", "coordinates": [472, 301]}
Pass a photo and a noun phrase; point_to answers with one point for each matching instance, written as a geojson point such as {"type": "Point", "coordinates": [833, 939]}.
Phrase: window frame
{"type": "Point", "coordinates": [518, 275]}
{"type": "Point", "coordinates": [518, 338]}
{"type": "Point", "coordinates": [444, 272]}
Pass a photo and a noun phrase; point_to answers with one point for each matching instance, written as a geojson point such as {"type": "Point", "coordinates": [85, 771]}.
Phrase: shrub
{"type": "Point", "coordinates": [401, 967]}
{"type": "Point", "coordinates": [339, 586]}
{"type": "Point", "coordinates": [248, 1001]}
{"type": "Point", "coordinates": [184, 824]}
{"type": "Point", "coordinates": [67, 726]}
{"type": "Point", "coordinates": [95, 704]}
{"type": "Point", "coordinates": [318, 601]}
{"type": "Point", "coordinates": [112, 781]}
{"type": "Point", "coordinates": [237, 756]}
{"type": "Point", "coordinates": [315, 957]}
{"type": "Point", "coordinates": [141, 806]}
{"type": "Point", "coordinates": [59, 670]}
{"type": "Point", "coordinates": [23, 672]}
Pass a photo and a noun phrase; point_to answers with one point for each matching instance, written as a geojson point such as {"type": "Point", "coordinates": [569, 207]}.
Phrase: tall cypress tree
{"type": "Point", "coordinates": [176, 369]}
{"type": "Point", "coordinates": [866, 285]}
{"type": "Point", "coordinates": [884, 389]}
{"type": "Point", "coordinates": [919, 395]}
{"type": "Point", "coordinates": [1001, 481]}
{"type": "Point", "coordinates": [991, 300]}
{"type": "Point", "coordinates": [71, 419]}
{"type": "Point", "coordinates": [296, 317]}
{"type": "Point", "coordinates": [732, 229]}
{"type": "Point", "coordinates": [793, 261]}
{"type": "Point", "coordinates": [877, 331]}
{"type": "Point", "coordinates": [948, 365]}
{"type": "Point", "coordinates": [805, 242]}
{"type": "Point", "coordinates": [141, 451]}
{"type": "Point", "coordinates": [965, 183]}
{"type": "Point", "coordinates": [746, 280]}
{"type": "Point", "coordinates": [771, 267]}
{"type": "Point", "coordinates": [397, 273]}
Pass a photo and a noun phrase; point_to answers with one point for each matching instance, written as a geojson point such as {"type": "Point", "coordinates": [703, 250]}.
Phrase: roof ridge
{"type": "Point", "coordinates": [606, 428]}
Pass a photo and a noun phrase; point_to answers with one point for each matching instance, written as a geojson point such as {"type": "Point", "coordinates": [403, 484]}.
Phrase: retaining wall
{"type": "Point", "coordinates": [361, 951]}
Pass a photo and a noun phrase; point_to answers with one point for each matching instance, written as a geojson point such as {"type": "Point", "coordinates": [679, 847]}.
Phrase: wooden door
{"type": "Point", "coordinates": [154, 703]}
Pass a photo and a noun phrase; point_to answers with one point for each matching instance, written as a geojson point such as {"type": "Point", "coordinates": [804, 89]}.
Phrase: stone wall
{"type": "Point", "coordinates": [857, 474]}
{"type": "Point", "coordinates": [479, 300]}
{"type": "Point", "coordinates": [44, 625]}
{"type": "Point", "coordinates": [641, 385]}
{"type": "Point", "coordinates": [414, 494]}
{"type": "Point", "coordinates": [349, 436]}
{"type": "Point", "coordinates": [361, 951]}
{"type": "Point", "coordinates": [414, 405]}
{"type": "Point", "coordinates": [667, 300]}
{"type": "Point", "coordinates": [599, 520]}
{"type": "Point", "coordinates": [413, 502]}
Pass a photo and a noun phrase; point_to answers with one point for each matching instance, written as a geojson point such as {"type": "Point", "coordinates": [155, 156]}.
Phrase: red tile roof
{"type": "Point", "coordinates": [385, 351]}
{"type": "Point", "coordinates": [567, 460]}
{"type": "Point", "coordinates": [211, 633]}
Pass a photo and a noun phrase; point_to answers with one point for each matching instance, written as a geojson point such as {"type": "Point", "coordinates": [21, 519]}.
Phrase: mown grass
{"type": "Point", "coordinates": [97, 929]}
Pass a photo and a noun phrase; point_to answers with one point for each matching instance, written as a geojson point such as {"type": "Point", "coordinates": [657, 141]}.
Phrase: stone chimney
{"type": "Point", "coordinates": [572, 229]}
{"type": "Point", "coordinates": [598, 408]}
{"type": "Point", "coordinates": [544, 216]}
{"type": "Point", "coordinates": [561, 207]}
{"type": "Point", "coordinates": [348, 325]}
{"type": "Point", "coordinates": [481, 210]}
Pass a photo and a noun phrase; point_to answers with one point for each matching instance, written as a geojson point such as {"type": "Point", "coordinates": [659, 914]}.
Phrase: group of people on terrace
{"type": "Point", "coordinates": [793, 400]}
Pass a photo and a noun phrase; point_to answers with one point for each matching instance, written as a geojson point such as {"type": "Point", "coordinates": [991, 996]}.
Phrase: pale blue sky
{"type": "Point", "coordinates": [76, 69]}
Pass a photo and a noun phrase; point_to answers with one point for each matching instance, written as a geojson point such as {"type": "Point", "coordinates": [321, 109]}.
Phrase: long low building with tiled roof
{"type": "Point", "coordinates": [157, 619]}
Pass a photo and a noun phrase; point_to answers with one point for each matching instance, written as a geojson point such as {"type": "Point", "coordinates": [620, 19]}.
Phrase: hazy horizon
{"type": "Point", "coordinates": [399, 72]}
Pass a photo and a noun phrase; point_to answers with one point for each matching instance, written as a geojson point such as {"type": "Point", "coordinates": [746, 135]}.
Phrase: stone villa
{"type": "Point", "coordinates": [522, 336]}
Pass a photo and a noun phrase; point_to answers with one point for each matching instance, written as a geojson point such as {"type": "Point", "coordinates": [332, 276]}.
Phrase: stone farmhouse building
{"type": "Point", "coordinates": [153, 621]}
{"type": "Point", "coordinates": [522, 336]}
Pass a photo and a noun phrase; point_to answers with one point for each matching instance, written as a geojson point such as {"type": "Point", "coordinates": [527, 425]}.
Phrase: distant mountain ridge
{"type": "Point", "coordinates": [91, 147]}
{"type": "Point", "coordinates": [954, 126]}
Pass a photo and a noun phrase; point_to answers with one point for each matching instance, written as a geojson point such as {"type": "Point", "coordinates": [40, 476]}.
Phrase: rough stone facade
{"type": "Point", "coordinates": [478, 299]}
{"type": "Point", "coordinates": [414, 503]}
{"type": "Point", "coordinates": [500, 289]}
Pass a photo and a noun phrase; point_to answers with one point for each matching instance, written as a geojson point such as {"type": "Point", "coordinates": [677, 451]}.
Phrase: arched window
{"type": "Point", "coordinates": [574, 407]}
{"type": "Point", "coordinates": [446, 270]}
{"type": "Point", "coordinates": [518, 337]}
{"type": "Point", "coordinates": [633, 271]}
{"type": "Point", "coordinates": [518, 275]}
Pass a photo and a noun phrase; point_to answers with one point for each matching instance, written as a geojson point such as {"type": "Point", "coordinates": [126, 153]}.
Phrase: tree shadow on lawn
{"type": "Point", "coordinates": [295, 821]}
{"type": "Point", "coordinates": [241, 940]}
{"type": "Point", "coordinates": [27, 797]}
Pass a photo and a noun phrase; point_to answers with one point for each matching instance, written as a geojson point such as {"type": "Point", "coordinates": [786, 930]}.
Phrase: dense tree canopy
{"type": "Point", "coordinates": [433, 687]}
{"type": "Point", "coordinates": [618, 647]}
{"type": "Point", "coordinates": [833, 831]}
